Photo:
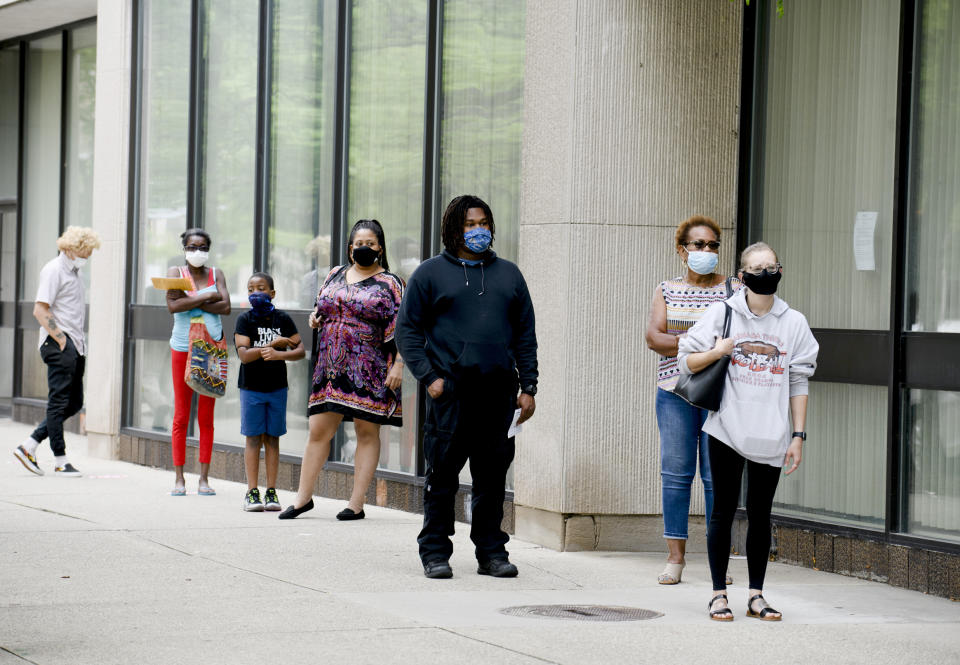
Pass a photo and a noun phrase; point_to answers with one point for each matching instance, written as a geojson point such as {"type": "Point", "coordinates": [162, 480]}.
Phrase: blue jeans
{"type": "Point", "coordinates": [681, 439]}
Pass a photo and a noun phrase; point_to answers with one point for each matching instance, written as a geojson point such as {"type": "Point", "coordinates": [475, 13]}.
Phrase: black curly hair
{"type": "Point", "coordinates": [451, 229]}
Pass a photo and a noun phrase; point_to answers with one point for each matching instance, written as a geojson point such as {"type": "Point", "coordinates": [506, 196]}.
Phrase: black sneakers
{"type": "Point", "coordinates": [499, 567]}
{"type": "Point", "coordinates": [270, 500]}
{"type": "Point", "coordinates": [27, 460]}
{"type": "Point", "coordinates": [251, 502]}
{"type": "Point", "coordinates": [66, 471]}
{"type": "Point", "coordinates": [437, 570]}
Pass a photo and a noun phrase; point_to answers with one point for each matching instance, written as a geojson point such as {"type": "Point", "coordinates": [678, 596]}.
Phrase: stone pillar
{"type": "Point", "coordinates": [108, 265]}
{"type": "Point", "coordinates": [630, 126]}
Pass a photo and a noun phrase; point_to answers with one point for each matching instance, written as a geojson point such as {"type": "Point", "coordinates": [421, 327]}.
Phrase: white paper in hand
{"type": "Point", "coordinates": [514, 427]}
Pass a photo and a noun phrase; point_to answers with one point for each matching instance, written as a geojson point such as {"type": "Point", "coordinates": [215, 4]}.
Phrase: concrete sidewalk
{"type": "Point", "coordinates": [109, 568]}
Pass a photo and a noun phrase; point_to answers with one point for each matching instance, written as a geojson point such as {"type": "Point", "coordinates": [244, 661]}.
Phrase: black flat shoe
{"type": "Point", "coordinates": [348, 514]}
{"type": "Point", "coordinates": [292, 512]}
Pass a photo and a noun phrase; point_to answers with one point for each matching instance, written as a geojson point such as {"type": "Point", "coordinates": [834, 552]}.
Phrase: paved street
{"type": "Point", "coordinates": [110, 569]}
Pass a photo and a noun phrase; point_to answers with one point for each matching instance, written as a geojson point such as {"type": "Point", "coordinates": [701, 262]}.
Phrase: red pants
{"type": "Point", "coordinates": [182, 395]}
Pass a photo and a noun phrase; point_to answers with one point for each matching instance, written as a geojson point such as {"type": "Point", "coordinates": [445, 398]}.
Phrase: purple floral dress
{"type": "Point", "coordinates": [355, 348]}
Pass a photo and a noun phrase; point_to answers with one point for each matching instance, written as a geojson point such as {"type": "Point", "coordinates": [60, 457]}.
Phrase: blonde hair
{"type": "Point", "coordinates": [755, 247]}
{"type": "Point", "coordinates": [78, 239]}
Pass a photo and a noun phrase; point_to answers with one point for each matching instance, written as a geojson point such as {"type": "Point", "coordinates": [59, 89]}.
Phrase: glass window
{"type": "Point", "coordinates": [931, 463]}
{"type": "Point", "coordinates": [842, 478]}
{"type": "Point", "coordinates": [41, 163]}
{"type": "Point", "coordinates": [302, 141]}
{"type": "Point", "coordinates": [163, 142]}
{"type": "Point", "coordinates": [152, 405]}
{"type": "Point", "coordinates": [482, 109]}
{"type": "Point", "coordinates": [6, 369]}
{"type": "Point", "coordinates": [827, 153]}
{"type": "Point", "coordinates": [933, 231]}
{"type": "Point", "coordinates": [229, 133]}
{"type": "Point", "coordinates": [9, 124]}
{"type": "Point", "coordinates": [82, 87]}
{"type": "Point", "coordinates": [8, 257]}
{"type": "Point", "coordinates": [33, 383]}
{"type": "Point", "coordinates": [387, 84]}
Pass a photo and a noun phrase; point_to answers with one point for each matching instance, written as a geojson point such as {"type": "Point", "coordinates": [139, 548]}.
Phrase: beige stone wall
{"type": "Point", "coordinates": [107, 266]}
{"type": "Point", "coordinates": [631, 125]}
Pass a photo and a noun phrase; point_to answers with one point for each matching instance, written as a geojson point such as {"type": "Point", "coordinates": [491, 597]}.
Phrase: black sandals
{"type": "Point", "coordinates": [725, 614]}
{"type": "Point", "coordinates": [766, 612]}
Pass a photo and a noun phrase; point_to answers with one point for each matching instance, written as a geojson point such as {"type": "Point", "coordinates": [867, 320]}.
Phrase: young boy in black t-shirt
{"type": "Point", "coordinates": [265, 338]}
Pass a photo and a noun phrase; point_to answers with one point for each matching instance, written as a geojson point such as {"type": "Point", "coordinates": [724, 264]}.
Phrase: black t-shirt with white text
{"type": "Point", "coordinates": [261, 375]}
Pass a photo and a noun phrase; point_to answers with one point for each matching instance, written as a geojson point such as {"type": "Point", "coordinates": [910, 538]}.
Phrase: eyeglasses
{"type": "Point", "coordinates": [714, 245]}
{"type": "Point", "coordinates": [770, 270]}
{"type": "Point", "coordinates": [196, 248]}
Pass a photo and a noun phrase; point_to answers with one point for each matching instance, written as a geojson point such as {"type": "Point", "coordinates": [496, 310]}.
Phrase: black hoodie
{"type": "Point", "coordinates": [461, 322]}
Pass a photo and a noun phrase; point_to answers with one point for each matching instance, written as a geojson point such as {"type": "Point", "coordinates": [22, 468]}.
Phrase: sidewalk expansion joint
{"type": "Point", "coordinates": [47, 510]}
{"type": "Point", "coordinates": [16, 655]}
{"type": "Point", "coordinates": [228, 564]}
{"type": "Point", "coordinates": [498, 646]}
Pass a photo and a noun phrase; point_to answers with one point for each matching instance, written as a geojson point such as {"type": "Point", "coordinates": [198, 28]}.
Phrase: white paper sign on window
{"type": "Point", "coordinates": [864, 227]}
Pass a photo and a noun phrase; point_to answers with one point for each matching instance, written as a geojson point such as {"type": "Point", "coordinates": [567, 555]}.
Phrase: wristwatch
{"type": "Point", "coordinates": [530, 390]}
{"type": "Point", "coordinates": [802, 435]}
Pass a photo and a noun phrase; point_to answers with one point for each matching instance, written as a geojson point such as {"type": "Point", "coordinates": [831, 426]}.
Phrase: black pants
{"type": "Point", "coordinates": [469, 421]}
{"type": "Point", "coordinates": [65, 386]}
{"type": "Point", "coordinates": [726, 466]}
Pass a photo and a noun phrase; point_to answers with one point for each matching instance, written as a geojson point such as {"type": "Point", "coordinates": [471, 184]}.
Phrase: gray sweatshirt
{"type": "Point", "coordinates": [773, 357]}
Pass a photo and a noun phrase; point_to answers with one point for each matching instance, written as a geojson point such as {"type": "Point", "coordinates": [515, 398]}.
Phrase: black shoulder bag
{"type": "Point", "coordinates": [705, 388]}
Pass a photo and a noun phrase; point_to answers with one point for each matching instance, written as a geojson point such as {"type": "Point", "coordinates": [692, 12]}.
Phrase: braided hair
{"type": "Point", "coordinates": [451, 229]}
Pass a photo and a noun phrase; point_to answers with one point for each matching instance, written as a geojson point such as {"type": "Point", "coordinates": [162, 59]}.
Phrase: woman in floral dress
{"type": "Point", "coordinates": [358, 372]}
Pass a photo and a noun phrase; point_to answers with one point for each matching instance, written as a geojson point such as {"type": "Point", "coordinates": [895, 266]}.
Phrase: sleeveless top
{"type": "Point", "coordinates": [685, 305]}
{"type": "Point", "coordinates": [180, 337]}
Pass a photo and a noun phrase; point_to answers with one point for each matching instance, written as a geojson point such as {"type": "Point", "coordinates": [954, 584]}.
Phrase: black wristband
{"type": "Point", "coordinates": [529, 390]}
{"type": "Point", "coordinates": [802, 435]}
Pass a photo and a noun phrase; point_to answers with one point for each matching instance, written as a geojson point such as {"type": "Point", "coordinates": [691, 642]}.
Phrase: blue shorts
{"type": "Point", "coordinates": [263, 413]}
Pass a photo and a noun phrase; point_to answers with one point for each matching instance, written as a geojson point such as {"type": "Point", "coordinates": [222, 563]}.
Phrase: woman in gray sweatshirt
{"type": "Point", "coordinates": [760, 424]}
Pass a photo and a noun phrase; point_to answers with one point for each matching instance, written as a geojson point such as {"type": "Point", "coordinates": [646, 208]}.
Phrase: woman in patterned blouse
{"type": "Point", "coordinates": [358, 371]}
{"type": "Point", "coordinates": [677, 304]}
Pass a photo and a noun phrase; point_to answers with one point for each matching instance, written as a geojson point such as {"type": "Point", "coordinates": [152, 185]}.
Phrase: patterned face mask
{"type": "Point", "coordinates": [478, 239]}
{"type": "Point", "coordinates": [261, 302]}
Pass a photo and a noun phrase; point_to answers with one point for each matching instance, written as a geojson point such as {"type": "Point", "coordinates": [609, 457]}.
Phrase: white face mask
{"type": "Point", "coordinates": [79, 262]}
{"type": "Point", "coordinates": [197, 259]}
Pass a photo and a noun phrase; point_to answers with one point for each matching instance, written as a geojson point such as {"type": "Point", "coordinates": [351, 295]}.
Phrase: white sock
{"type": "Point", "coordinates": [30, 445]}
{"type": "Point", "coordinates": [60, 460]}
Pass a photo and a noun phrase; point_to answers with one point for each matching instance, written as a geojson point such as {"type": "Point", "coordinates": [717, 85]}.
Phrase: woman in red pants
{"type": "Point", "coordinates": [208, 298]}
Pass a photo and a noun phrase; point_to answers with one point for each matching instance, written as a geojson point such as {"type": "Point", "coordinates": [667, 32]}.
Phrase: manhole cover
{"type": "Point", "coordinates": [582, 612]}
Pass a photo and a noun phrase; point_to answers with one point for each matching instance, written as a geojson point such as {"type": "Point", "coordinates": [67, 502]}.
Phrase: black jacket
{"type": "Point", "coordinates": [460, 322]}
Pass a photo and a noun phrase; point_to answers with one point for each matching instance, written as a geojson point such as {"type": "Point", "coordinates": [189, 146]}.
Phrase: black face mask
{"type": "Point", "coordinates": [365, 256]}
{"type": "Point", "coordinates": [763, 284]}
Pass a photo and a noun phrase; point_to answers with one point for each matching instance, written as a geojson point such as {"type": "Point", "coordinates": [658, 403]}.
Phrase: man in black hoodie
{"type": "Point", "coordinates": [466, 331]}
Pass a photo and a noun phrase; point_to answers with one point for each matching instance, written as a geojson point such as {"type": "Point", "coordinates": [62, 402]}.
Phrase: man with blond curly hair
{"type": "Point", "coordinates": [60, 310]}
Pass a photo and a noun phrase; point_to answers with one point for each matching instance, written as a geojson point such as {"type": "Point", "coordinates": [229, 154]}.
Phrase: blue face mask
{"type": "Point", "coordinates": [478, 239]}
{"type": "Point", "coordinates": [702, 263]}
{"type": "Point", "coordinates": [261, 303]}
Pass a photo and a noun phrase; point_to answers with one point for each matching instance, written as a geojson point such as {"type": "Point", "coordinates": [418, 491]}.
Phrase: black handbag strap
{"type": "Point", "coordinates": [729, 288]}
{"type": "Point", "coordinates": [726, 321]}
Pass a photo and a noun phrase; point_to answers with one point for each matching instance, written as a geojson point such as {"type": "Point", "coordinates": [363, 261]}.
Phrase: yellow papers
{"type": "Point", "coordinates": [168, 283]}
